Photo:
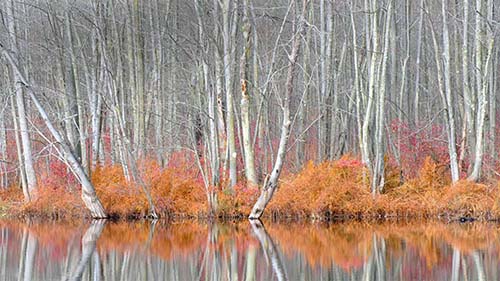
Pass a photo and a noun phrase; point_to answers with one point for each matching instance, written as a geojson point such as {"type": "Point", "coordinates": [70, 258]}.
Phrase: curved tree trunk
{"type": "Point", "coordinates": [88, 192]}
{"type": "Point", "coordinates": [270, 186]}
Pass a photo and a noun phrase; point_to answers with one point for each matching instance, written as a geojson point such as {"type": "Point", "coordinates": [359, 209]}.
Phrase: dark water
{"type": "Point", "coordinates": [244, 251]}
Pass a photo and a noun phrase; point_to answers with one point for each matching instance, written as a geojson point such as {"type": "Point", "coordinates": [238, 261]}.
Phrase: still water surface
{"type": "Point", "coordinates": [190, 250]}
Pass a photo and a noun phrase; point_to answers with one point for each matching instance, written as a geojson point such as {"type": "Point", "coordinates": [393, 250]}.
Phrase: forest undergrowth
{"type": "Point", "coordinates": [329, 190]}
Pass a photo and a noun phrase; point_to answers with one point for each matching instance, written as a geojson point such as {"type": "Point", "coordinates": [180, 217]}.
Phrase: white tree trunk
{"type": "Point", "coordinates": [269, 187]}
{"type": "Point", "coordinates": [27, 163]}
{"type": "Point", "coordinates": [245, 101]}
{"type": "Point", "coordinates": [88, 192]}
{"type": "Point", "coordinates": [448, 96]}
{"type": "Point", "coordinates": [482, 66]}
{"type": "Point", "coordinates": [229, 45]}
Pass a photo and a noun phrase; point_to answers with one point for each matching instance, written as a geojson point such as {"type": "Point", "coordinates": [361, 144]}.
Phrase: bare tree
{"type": "Point", "coordinates": [271, 184]}
{"type": "Point", "coordinates": [245, 100]}
{"type": "Point", "coordinates": [27, 165]}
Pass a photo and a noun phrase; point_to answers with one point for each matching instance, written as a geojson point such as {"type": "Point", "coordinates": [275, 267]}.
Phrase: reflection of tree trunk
{"type": "Point", "coordinates": [3, 250]}
{"type": "Point", "coordinates": [234, 262]}
{"type": "Point", "coordinates": [250, 263]}
{"type": "Point", "coordinates": [97, 274]}
{"type": "Point", "coordinates": [380, 252]}
{"type": "Point", "coordinates": [368, 269]}
{"type": "Point", "coordinates": [269, 249]}
{"type": "Point", "coordinates": [375, 267]}
{"type": "Point", "coordinates": [22, 256]}
{"type": "Point", "coordinates": [30, 257]}
{"type": "Point", "coordinates": [125, 266]}
{"type": "Point", "coordinates": [455, 268]}
{"type": "Point", "coordinates": [88, 247]}
{"type": "Point", "coordinates": [478, 263]}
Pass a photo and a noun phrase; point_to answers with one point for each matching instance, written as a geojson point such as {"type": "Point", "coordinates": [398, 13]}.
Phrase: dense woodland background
{"type": "Point", "coordinates": [218, 84]}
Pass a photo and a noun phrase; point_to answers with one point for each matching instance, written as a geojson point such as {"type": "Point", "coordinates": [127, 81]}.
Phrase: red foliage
{"type": "Point", "coordinates": [416, 143]}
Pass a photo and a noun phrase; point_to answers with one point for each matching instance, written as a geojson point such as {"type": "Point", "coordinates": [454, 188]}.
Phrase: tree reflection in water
{"type": "Point", "coordinates": [269, 249]}
{"type": "Point", "coordinates": [88, 250]}
{"type": "Point", "coordinates": [188, 250]}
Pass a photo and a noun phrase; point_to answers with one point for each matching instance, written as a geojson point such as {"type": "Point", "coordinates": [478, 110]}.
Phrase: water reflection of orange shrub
{"type": "Point", "coordinates": [347, 245]}
{"type": "Point", "coordinates": [163, 240]}
{"type": "Point", "coordinates": [179, 239]}
{"type": "Point", "coordinates": [429, 239]}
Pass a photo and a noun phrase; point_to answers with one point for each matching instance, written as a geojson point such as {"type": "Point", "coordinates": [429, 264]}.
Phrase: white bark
{"type": "Point", "coordinates": [378, 171]}
{"type": "Point", "coordinates": [245, 101]}
{"type": "Point", "coordinates": [27, 164]}
{"type": "Point", "coordinates": [482, 62]}
{"type": "Point", "coordinates": [229, 45]}
{"type": "Point", "coordinates": [3, 147]}
{"type": "Point", "coordinates": [448, 96]}
{"type": "Point", "coordinates": [88, 192]}
{"type": "Point", "coordinates": [270, 186]}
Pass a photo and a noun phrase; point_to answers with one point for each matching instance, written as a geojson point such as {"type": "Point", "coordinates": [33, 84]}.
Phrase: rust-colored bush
{"type": "Point", "coordinates": [467, 199]}
{"type": "Point", "coordinates": [173, 190]}
{"type": "Point", "coordinates": [238, 202]}
{"type": "Point", "coordinates": [54, 203]}
{"type": "Point", "coordinates": [329, 188]}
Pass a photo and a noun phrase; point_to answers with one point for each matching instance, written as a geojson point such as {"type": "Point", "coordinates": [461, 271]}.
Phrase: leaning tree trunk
{"type": "Point", "coordinates": [271, 184]}
{"type": "Point", "coordinates": [88, 192]}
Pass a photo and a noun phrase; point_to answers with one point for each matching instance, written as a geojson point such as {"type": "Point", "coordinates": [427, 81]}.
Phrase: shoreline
{"type": "Point", "coordinates": [7, 213]}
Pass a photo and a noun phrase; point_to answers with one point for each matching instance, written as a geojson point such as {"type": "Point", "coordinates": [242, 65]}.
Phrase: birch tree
{"type": "Point", "coordinates": [271, 184]}
{"type": "Point", "coordinates": [88, 192]}
{"type": "Point", "coordinates": [245, 100]}
{"type": "Point", "coordinates": [27, 163]}
{"type": "Point", "coordinates": [484, 42]}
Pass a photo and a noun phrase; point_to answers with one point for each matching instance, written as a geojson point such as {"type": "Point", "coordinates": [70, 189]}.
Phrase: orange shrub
{"type": "Point", "coordinates": [55, 203]}
{"type": "Point", "coordinates": [325, 190]}
{"type": "Point", "coordinates": [11, 194]}
{"type": "Point", "coordinates": [420, 195]}
{"type": "Point", "coordinates": [331, 188]}
{"type": "Point", "coordinates": [467, 199]}
{"type": "Point", "coordinates": [171, 189]}
{"type": "Point", "coordinates": [179, 193]}
{"type": "Point", "coordinates": [239, 202]}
